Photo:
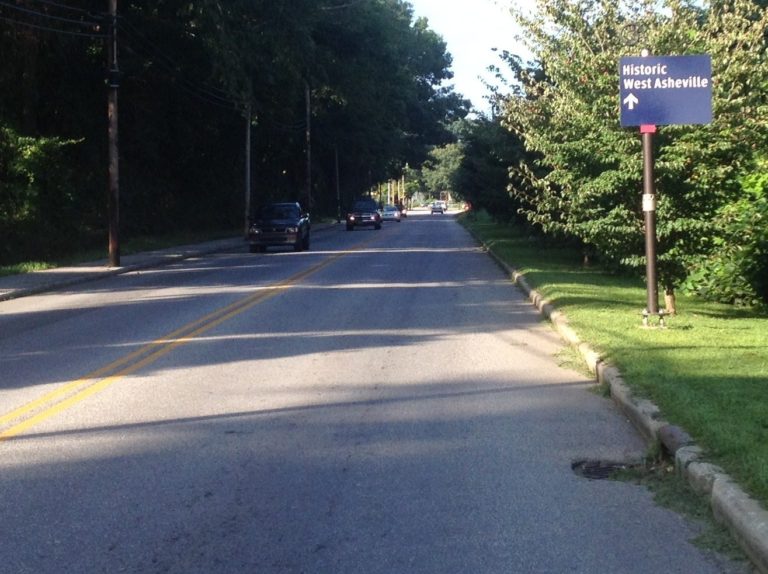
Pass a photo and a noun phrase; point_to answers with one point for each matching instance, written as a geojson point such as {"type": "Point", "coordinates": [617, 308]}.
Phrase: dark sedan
{"type": "Point", "coordinates": [279, 224]}
{"type": "Point", "coordinates": [364, 212]}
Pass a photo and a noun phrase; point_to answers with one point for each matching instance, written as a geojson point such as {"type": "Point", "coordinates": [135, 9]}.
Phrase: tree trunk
{"type": "Point", "coordinates": [669, 301]}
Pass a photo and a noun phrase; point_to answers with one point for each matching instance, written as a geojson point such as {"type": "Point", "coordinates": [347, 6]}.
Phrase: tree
{"type": "Point", "coordinates": [587, 179]}
{"type": "Point", "coordinates": [483, 178]}
{"type": "Point", "coordinates": [190, 70]}
{"type": "Point", "coordinates": [440, 169]}
{"type": "Point", "coordinates": [384, 108]}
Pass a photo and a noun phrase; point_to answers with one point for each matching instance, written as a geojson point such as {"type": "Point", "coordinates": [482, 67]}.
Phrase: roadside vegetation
{"type": "Point", "coordinates": [553, 156]}
{"type": "Point", "coordinates": [556, 185]}
{"type": "Point", "coordinates": [336, 95]}
{"type": "Point", "coordinates": [707, 370]}
{"type": "Point", "coordinates": [550, 162]}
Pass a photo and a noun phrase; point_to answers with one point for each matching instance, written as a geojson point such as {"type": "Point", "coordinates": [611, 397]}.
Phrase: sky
{"type": "Point", "coordinates": [471, 29]}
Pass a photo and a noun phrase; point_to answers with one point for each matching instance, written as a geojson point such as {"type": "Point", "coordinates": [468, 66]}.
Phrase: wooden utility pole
{"type": "Point", "coordinates": [247, 167]}
{"type": "Point", "coordinates": [309, 147]}
{"type": "Point", "coordinates": [113, 201]}
{"type": "Point", "coordinates": [338, 183]}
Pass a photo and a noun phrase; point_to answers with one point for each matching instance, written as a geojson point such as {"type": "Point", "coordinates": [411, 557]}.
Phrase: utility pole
{"type": "Point", "coordinates": [113, 201]}
{"type": "Point", "coordinates": [338, 183]}
{"type": "Point", "coordinates": [309, 146]}
{"type": "Point", "coordinates": [247, 167]}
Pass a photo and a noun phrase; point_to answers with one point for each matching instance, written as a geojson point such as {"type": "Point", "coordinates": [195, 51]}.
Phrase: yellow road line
{"type": "Point", "coordinates": [68, 395]}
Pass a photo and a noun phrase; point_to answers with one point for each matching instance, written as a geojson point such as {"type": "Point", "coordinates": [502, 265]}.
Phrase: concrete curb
{"type": "Point", "coordinates": [744, 517]}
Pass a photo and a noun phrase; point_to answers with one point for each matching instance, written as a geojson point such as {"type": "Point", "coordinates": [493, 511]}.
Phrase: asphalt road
{"type": "Point", "coordinates": [386, 402]}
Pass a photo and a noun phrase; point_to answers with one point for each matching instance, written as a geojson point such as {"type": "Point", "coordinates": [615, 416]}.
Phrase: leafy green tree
{"type": "Point", "coordinates": [736, 270]}
{"type": "Point", "coordinates": [383, 108]}
{"type": "Point", "coordinates": [191, 73]}
{"type": "Point", "coordinates": [440, 169]}
{"type": "Point", "coordinates": [483, 176]}
{"type": "Point", "coordinates": [587, 180]}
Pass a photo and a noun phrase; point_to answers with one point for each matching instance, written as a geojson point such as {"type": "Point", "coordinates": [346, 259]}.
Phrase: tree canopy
{"type": "Point", "coordinates": [586, 179]}
{"type": "Point", "coordinates": [189, 72]}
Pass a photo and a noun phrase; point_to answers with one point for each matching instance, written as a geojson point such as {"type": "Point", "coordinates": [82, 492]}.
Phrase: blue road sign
{"type": "Point", "coordinates": [665, 90]}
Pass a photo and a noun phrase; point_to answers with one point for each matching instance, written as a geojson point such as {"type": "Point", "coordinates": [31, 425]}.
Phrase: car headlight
{"type": "Point", "coordinates": [255, 230]}
{"type": "Point", "coordinates": [291, 229]}
{"type": "Point", "coordinates": [351, 217]}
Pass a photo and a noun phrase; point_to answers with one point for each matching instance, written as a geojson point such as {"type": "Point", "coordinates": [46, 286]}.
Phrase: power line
{"type": "Point", "coordinates": [297, 127]}
{"type": "Point", "coordinates": [209, 94]}
{"type": "Point", "coordinates": [342, 6]}
{"type": "Point", "coordinates": [206, 93]}
{"type": "Point", "coordinates": [48, 16]}
{"type": "Point", "coordinates": [49, 29]}
{"type": "Point", "coordinates": [157, 51]}
{"type": "Point", "coordinates": [64, 7]}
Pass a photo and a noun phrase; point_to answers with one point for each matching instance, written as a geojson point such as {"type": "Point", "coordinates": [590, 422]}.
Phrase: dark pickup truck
{"type": "Point", "coordinates": [279, 224]}
{"type": "Point", "coordinates": [364, 212]}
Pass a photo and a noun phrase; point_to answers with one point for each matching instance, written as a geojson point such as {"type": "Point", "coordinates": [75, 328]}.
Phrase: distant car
{"type": "Point", "coordinates": [279, 224]}
{"type": "Point", "coordinates": [390, 213]}
{"type": "Point", "coordinates": [364, 213]}
{"type": "Point", "coordinates": [438, 207]}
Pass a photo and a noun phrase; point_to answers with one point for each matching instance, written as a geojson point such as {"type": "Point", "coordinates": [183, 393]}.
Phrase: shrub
{"type": "Point", "coordinates": [737, 269]}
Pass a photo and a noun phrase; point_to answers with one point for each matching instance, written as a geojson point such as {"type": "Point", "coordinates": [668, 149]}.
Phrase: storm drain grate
{"type": "Point", "coordinates": [598, 469]}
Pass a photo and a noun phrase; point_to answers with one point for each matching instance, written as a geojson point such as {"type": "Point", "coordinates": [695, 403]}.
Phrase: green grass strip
{"type": "Point", "coordinates": [707, 371]}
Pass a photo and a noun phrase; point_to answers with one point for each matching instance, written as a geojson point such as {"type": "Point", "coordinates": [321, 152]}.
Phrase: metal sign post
{"type": "Point", "coordinates": [661, 90]}
{"type": "Point", "coordinates": [649, 216]}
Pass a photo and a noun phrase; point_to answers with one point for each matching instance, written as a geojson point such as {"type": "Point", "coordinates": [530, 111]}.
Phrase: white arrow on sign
{"type": "Point", "coordinates": [631, 101]}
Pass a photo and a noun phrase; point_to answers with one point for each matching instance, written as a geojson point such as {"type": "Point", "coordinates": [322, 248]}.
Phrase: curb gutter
{"type": "Point", "coordinates": [744, 517]}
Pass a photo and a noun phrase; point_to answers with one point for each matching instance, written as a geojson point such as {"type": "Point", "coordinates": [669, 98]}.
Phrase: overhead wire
{"type": "Point", "coordinates": [207, 93]}
{"type": "Point", "coordinates": [157, 51]}
{"type": "Point", "coordinates": [296, 127]}
{"type": "Point", "coordinates": [342, 6]}
{"type": "Point", "coordinates": [142, 44]}
{"type": "Point", "coordinates": [39, 14]}
{"type": "Point", "coordinates": [64, 7]}
{"type": "Point", "coordinates": [49, 29]}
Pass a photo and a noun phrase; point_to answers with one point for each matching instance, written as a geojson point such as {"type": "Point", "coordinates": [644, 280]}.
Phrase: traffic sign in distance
{"type": "Point", "coordinates": [665, 90]}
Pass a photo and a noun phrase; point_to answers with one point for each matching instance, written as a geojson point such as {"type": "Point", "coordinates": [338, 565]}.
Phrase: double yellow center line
{"type": "Point", "coordinates": [64, 397]}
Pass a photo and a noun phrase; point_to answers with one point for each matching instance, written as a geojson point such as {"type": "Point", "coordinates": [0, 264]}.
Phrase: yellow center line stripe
{"type": "Point", "coordinates": [68, 395]}
{"type": "Point", "coordinates": [86, 379]}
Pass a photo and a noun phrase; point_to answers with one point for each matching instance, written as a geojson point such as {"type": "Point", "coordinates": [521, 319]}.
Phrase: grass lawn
{"type": "Point", "coordinates": [707, 371]}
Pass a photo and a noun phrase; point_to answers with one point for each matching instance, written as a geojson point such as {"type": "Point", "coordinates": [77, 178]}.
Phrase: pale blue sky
{"type": "Point", "coordinates": [471, 28]}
